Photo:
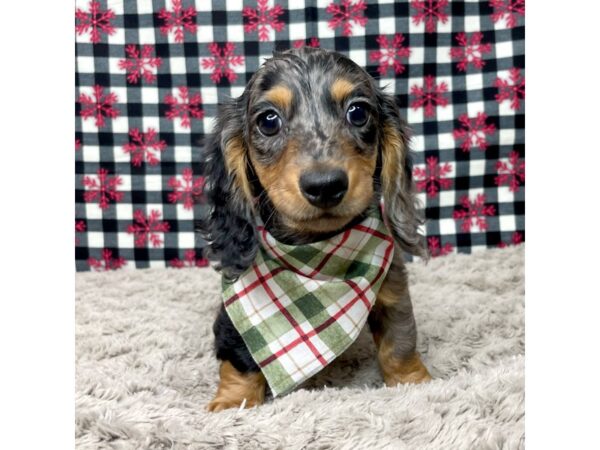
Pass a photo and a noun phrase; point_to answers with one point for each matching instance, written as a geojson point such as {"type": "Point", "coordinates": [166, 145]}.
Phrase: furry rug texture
{"type": "Point", "coordinates": [146, 369]}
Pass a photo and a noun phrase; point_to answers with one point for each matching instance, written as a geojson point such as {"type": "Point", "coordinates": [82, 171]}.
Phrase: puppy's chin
{"type": "Point", "coordinates": [324, 223]}
{"type": "Point", "coordinates": [307, 219]}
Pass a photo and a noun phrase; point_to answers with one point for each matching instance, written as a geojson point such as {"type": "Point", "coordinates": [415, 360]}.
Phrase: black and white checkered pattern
{"type": "Point", "coordinates": [142, 105]}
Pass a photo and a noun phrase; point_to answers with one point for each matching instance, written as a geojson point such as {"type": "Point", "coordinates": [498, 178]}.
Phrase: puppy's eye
{"type": "Point", "coordinates": [269, 123]}
{"type": "Point", "coordinates": [357, 114]}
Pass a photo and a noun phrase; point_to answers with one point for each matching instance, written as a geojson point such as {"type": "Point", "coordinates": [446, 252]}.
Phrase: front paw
{"type": "Point", "coordinates": [416, 377]}
{"type": "Point", "coordinates": [237, 389]}
{"type": "Point", "coordinates": [402, 371]}
{"type": "Point", "coordinates": [222, 403]}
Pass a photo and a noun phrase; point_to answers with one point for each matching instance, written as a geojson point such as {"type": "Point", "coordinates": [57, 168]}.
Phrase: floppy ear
{"type": "Point", "coordinates": [228, 225]}
{"type": "Point", "coordinates": [400, 203]}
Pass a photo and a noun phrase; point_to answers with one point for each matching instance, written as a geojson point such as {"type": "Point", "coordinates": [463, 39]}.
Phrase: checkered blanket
{"type": "Point", "coordinates": [299, 307]}
{"type": "Point", "coordinates": [150, 74]}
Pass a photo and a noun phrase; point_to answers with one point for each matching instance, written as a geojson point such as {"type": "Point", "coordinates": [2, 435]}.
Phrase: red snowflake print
{"type": "Point", "coordinates": [77, 145]}
{"type": "Point", "coordinates": [99, 107]}
{"type": "Point", "coordinates": [179, 20]}
{"type": "Point", "coordinates": [512, 89]}
{"type": "Point", "coordinates": [470, 51]}
{"type": "Point", "coordinates": [429, 12]}
{"type": "Point", "coordinates": [312, 42]}
{"type": "Point", "coordinates": [102, 188]}
{"type": "Point", "coordinates": [511, 172]}
{"type": "Point", "coordinates": [147, 228]}
{"type": "Point", "coordinates": [390, 54]}
{"type": "Point", "coordinates": [95, 21]}
{"type": "Point", "coordinates": [80, 227]}
{"type": "Point", "coordinates": [429, 96]}
{"type": "Point", "coordinates": [262, 18]}
{"type": "Point", "coordinates": [516, 239]}
{"type": "Point", "coordinates": [474, 132]}
{"type": "Point", "coordinates": [507, 9]}
{"type": "Point", "coordinates": [107, 262]}
{"type": "Point", "coordinates": [222, 61]}
{"type": "Point", "coordinates": [143, 147]}
{"type": "Point", "coordinates": [432, 178]}
{"type": "Point", "coordinates": [140, 63]}
{"type": "Point", "coordinates": [187, 189]}
{"type": "Point", "coordinates": [473, 213]}
{"type": "Point", "coordinates": [435, 249]}
{"type": "Point", "coordinates": [345, 13]}
{"type": "Point", "coordinates": [188, 108]}
{"type": "Point", "coordinates": [189, 260]}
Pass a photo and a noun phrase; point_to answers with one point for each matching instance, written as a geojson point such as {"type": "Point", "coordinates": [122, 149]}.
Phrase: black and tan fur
{"type": "Point", "coordinates": [249, 173]}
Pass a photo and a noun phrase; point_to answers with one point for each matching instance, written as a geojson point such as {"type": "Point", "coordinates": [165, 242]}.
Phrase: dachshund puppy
{"type": "Point", "coordinates": [308, 147]}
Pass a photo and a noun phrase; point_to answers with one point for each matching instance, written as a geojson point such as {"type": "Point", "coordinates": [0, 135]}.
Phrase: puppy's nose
{"type": "Point", "coordinates": [324, 189]}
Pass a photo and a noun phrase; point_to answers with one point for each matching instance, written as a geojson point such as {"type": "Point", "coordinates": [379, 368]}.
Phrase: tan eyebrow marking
{"type": "Point", "coordinates": [340, 89]}
{"type": "Point", "coordinates": [281, 96]}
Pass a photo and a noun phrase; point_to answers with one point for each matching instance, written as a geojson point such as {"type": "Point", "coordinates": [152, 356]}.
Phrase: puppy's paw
{"type": "Point", "coordinates": [402, 371]}
{"type": "Point", "coordinates": [237, 389]}
{"type": "Point", "coordinates": [221, 403]}
{"type": "Point", "coordinates": [419, 376]}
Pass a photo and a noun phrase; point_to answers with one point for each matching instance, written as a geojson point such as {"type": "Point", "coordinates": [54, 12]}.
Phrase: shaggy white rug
{"type": "Point", "coordinates": [145, 367]}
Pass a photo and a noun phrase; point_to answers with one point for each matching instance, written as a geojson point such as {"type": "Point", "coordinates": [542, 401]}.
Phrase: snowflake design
{"type": "Point", "coordinates": [147, 228]}
{"type": "Point", "coordinates": [429, 12]}
{"type": "Point", "coordinates": [80, 227]}
{"type": "Point", "coordinates": [142, 147]}
{"type": "Point", "coordinates": [312, 42]}
{"type": "Point", "coordinates": [95, 21]}
{"type": "Point", "coordinates": [99, 107]}
{"type": "Point", "coordinates": [511, 172]}
{"type": "Point", "coordinates": [222, 61]}
{"type": "Point", "coordinates": [345, 13]}
{"type": "Point", "coordinates": [187, 190]}
{"type": "Point", "coordinates": [512, 89]}
{"type": "Point", "coordinates": [140, 63]}
{"type": "Point", "coordinates": [390, 54]}
{"type": "Point", "coordinates": [102, 188]}
{"type": "Point", "coordinates": [516, 239]}
{"type": "Point", "coordinates": [435, 249]}
{"type": "Point", "coordinates": [474, 131]}
{"type": "Point", "coordinates": [432, 177]}
{"type": "Point", "coordinates": [429, 96]}
{"type": "Point", "coordinates": [189, 107]}
{"type": "Point", "coordinates": [263, 18]}
{"type": "Point", "coordinates": [107, 262]}
{"type": "Point", "coordinates": [473, 213]}
{"type": "Point", "coordinates": [179, 20]}
{"type": "Point", "coordinates": [189, 260]}
{"type": "Point", "coordinates": [470, 51]}
{"type": "Point", "coordinates": [507, 9]}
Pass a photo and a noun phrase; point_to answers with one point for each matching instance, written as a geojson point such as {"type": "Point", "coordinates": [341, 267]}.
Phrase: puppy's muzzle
{"type": "Point", "coordinates": [324, 189]}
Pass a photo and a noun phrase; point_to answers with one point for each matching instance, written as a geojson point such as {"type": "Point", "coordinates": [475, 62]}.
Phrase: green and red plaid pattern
{"type": "Point", "coordinates": [298, 307]}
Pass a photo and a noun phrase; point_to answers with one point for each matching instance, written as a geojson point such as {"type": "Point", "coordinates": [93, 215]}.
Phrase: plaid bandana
{"type": "Point", "coordinates": [298, 307]}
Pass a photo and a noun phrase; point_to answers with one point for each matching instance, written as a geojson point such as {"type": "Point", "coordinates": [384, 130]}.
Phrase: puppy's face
{"type": "Point", "coordinates": [322, 140]}
{"type": "Point", "coordinates": [311, 135]}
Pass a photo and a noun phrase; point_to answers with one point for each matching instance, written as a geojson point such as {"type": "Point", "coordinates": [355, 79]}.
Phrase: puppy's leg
{"type": "Point", "coordinates": [394, 330]}
{"type": "Point", "coordinates": [241, 379]}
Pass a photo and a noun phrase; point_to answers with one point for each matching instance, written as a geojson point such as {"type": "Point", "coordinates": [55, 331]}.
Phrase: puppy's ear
{"type": "Point", "coordinates": [400, 203]}
{"type": "Point", "coordinates": [228, 224]}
